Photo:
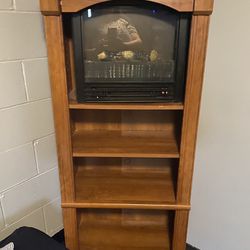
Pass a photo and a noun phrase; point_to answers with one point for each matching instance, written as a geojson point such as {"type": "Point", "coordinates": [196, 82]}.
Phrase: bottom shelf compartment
{"type": "Point", "coordinates": [123, 229]}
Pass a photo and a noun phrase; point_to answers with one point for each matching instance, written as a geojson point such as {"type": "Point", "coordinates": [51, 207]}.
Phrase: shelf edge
{"type": "Point", "coordinates": [126, 155]}
{"type": "Point", "coordinates": [126, 206]}
{"type": "Point", "coordinates": [81, 106]}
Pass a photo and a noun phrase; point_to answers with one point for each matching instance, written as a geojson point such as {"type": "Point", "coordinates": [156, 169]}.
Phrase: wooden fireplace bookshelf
{"type": "Point", "coordinates": [125, 168]}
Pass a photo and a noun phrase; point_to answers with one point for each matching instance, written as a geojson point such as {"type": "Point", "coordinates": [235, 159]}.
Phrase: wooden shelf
{"type": "Point", "coordinates": [126, 106]}
{"type": "Point", "coordinates": [113, 182]}
{"type": "Point", "coordinates": [124, 230]}
{"type": "Point", "coordinates": [105, 143]}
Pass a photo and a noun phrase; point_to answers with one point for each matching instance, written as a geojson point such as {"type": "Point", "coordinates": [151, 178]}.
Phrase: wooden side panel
{"type": "Point", "coordinates": [71, 228]}
{"type": "Point", "coordinates": [76, 5]}
{"type": "Point", "coordinates": [203, 7]}
{"type": "Point", "coordinates": [180, 230]}
{"type": "Point", "coordinates": [54, 36]}
{"type": "Point", "coordinates": [50, 7]}
{"type": "Point", "coordinates": [197, 53]}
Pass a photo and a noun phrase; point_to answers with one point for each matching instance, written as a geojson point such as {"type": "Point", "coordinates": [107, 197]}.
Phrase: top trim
{"type": "Point", "coordinates": [203, 7]}
{"type": "Point", "coordinates": [55, 7]}
{"type": "Point", "coordinates": [50, 7]}
{"type": "Point", "coordinates": [77, 5]}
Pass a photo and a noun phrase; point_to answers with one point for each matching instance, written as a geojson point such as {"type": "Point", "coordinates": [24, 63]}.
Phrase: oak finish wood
{"type": "Point", "coordinates": [126, 206]}
{"type": "Point", "coordinates": [130, 144]}
{"type": "Point", "coordinates": [124, 229]}
{"type": "Point", "coordinates": [127, 181]}
{"type": "Point", "coordinates": [50, 7]}
{"type": "Point", "coordinates": [197, 53]}
{"type": "Point", "coordinates": [71, 228]}
{"type": "Point", "coordinates": [56, 59]}
{"type": "Point", "coordinates": [53, 7]}
{"type": "Point", "coordinates": [180, 230]}
{"type": "Point", "coordinates": [114, 133]}
{"type": "Point", "coordinates": [77, 5]}
{"type": "Point", "coordinates": [127, 120]}
{"type": "Point", "coordinates": [126, 106]}
{"type": "Point", "coordinates": [69, 56]}
{"type": "Point", "coordinates": [203, 7]}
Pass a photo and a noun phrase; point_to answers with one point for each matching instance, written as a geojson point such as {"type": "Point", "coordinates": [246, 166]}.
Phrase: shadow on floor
{"type": "Point", "coordinates": [60, 238]}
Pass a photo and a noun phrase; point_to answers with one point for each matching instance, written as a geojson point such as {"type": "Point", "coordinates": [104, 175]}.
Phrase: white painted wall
{"type": "Point", "coordinates": [29, 185]}
{"type": "Point", "coordinates": [220, 217]}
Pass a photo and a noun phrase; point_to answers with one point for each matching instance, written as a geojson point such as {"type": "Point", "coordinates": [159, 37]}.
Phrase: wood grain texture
{"type": "Point", "coordinates": [122, 133]}
{"type": "Point", "coordinates": [77, 5]}
{"type": "Point", "coordinates": [69, 55]}
{"type": "Point", "coordinates": [203, 7]}
{"type": "Point", "coordinates": [125, 229]}
{"type": "Point", "coordinates": [125, 121]}
{"type": "Point", "coordinates": [54, 37]}
{"type": "Point", "coordinates": [130, 144]}
{"type": "Point", "coordinates": [197, 53]}
{"type": "Point", "coordinates": [120, 205]}
{"type": "Point", "coordinates": [126, 106]}
{"type": "Point", "coordinates": [50, 7]}
{"type": "Point", "coordinates": [71, 228]}
{"type": "Point", "coordinates": [180, 230]}
{"type": "Point", "coordinates": [127, 181]}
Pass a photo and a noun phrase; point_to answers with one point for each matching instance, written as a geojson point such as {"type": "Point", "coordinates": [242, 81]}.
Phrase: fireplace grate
{"type": "Point", "coordinates": [96, 71]}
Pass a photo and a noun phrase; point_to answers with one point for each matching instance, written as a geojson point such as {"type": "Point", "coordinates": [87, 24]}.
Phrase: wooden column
{"type": "Point", "coordinates": [198, 45]}
{"type": "Point", "coordinates": [71, 228]}
{"type": "Point", "coordinates": [58, 79]}
{"type": "Point", "coordinates": [180, 230]}
{"type": "Point", "coordinates": [196, 65]}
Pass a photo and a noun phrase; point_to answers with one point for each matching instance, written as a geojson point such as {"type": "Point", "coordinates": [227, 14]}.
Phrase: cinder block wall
{"type": "Point", "coordinates": [29, 184]}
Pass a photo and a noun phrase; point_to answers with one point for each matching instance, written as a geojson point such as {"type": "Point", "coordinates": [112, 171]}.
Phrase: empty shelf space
{"type": "Point", "coordinates": [108, 143]}
{"type": "Point", "coordinates": [124, 229]}
{"type": "Point", "coordinates": [113, 182]}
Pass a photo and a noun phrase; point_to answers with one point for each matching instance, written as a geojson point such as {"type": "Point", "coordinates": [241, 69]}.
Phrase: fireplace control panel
{"type": "Point", "coordinates": [132, 94]}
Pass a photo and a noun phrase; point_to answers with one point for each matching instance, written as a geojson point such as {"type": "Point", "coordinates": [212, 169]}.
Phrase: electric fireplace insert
{"type": "Point", "coordinates": [130, 52]}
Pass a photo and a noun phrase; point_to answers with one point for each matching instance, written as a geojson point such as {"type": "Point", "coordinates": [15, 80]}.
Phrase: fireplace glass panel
{"type": "Point", "coordinates": [133, 52]}
{"type": "Point", "coordinates": [129, 44]}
